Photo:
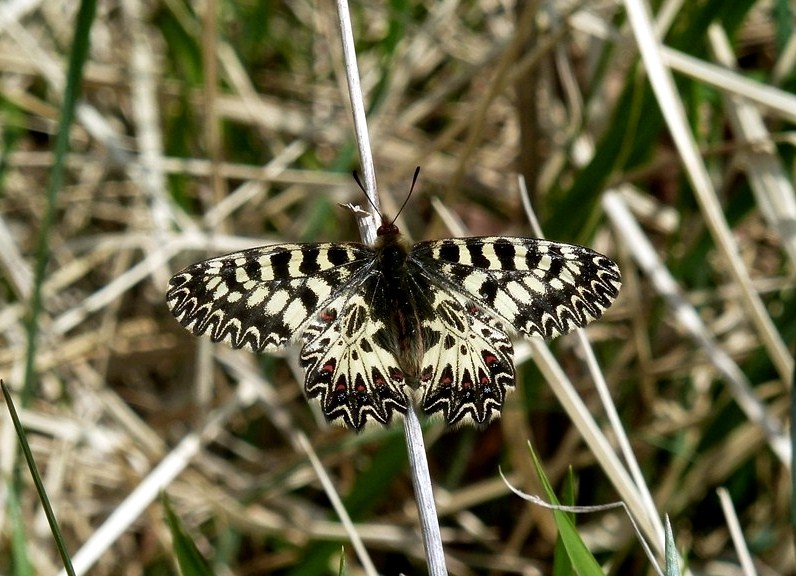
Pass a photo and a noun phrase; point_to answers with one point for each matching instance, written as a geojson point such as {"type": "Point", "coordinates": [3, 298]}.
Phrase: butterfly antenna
{"type": "Point", "coordinates": [411, 189]}
{"type": "Point", "coordinates": [361, 187]}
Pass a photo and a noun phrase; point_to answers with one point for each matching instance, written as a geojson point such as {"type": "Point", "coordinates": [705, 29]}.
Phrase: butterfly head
{"type": "Point", "coordinates": [387, 228]}
{"type": "Point", "coordinates": [388, 232]}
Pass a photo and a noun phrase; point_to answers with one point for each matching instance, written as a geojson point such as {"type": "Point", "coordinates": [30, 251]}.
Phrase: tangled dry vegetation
{"type": "Point", "coordinates": [203, 132]}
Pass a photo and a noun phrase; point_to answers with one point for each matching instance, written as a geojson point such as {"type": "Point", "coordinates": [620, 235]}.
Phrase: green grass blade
{"type": "Point", "coordinates": [562, 563]}
{"type": "Point", "coordinates": [583, 562]}
{"type": "Point", "coordinates": [37, 481]}
{"type": "Point", "coordinates": [672, 561]}
{"type": "Point", "coordinates": [792, 434]}
{"type": "Point", "coordinates": [19, 553]}
{"type": "Point", "coordinates": [187, 555]}
{"type": "Point", "coordinates": [77, 59]}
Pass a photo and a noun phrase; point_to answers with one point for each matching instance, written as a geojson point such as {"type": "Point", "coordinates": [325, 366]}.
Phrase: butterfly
{"type": "Point", "coordinates": [391, 324]}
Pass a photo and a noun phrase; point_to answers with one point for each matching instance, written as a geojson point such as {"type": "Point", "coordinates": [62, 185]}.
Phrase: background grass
{"type": "Point", "coordinates": [206, 132]}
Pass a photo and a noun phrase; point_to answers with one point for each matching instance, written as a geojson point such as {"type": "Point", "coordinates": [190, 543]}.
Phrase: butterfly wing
{"type": "Point", "coordinates": [350, 367]}
{"type": "Point", "coordinates": [467, 367]}
{"type": "Point", "coordinates": [485, 288]}
{"type": "Point", "coordinates": [534, 287]}
{"type": "Point", "coordinates": [468, 294]}
{"type": "Point", "coordinates": [263, 298]}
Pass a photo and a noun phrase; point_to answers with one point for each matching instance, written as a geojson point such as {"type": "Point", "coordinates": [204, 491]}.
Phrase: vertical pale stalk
{"type": "Point", "coordinates": [418, 464]}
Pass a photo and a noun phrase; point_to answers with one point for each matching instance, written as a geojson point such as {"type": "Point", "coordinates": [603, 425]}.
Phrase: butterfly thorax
{"type": "Point", "coordinates": [391, 250]}
{"type": "Point", "coordinates": [400, 312]}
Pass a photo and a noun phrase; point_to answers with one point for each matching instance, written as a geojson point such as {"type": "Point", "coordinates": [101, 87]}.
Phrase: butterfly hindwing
{"type": "Point", "coordinates": [351, 374]}
{"type": "Point", "coordinates": [467, 368]}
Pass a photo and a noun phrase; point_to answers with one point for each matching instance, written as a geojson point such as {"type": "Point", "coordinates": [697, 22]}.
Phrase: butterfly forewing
{"type": "Point", "coordinates": [535, 287]}
{"type": "Point", "coordinates": [261, 299]}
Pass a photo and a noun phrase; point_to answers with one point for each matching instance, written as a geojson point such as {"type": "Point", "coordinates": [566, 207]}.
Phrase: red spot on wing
{"type": "Point", "coordinates": [467, 380]}
{"type": "Point", "coordinates": [328, 315]}
{"type": "Point", "coordinates": [446, 378]}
